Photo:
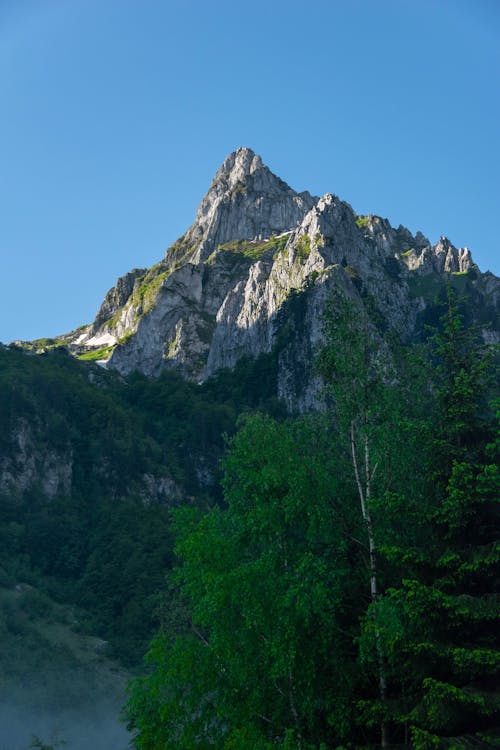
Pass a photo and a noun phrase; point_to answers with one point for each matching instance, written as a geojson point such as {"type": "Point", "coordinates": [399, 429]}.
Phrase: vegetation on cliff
{"type": "Point", "coordinates": [331, 583]}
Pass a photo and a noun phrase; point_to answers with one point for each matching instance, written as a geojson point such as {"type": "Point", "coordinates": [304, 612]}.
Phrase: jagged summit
{"type": "Point", "coordinates": [245, 201]}
{"type": "Point", "coordinates": [253, 272]}
{"type": "Point", "coordinates": [238, 165]}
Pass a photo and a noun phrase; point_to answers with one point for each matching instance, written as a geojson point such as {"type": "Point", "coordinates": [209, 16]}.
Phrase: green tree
{"type": "Point", "coordinates": [358, 370]}
{"type": "Point", "coordinates": [344, 593]}
{"type": "Point", "coordinates": [445, 615]}
{"type": "Point", "coordinates": [267, 656]}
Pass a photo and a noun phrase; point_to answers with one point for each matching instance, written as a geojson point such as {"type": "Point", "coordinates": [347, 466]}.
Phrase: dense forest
{"type": "Point", "coordinates": [345, 592]}
{"type": "Point", "coordinates": [102, 542]}
{"type": "Point", "coordinates": [83, 559]}
{"type": "Point", "coordinates": [318, 581]}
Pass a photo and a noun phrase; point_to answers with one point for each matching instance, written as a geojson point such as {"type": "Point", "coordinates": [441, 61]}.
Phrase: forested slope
{"type": "Point", "coordinates": [333, 583]}
{"type": "Point", "coordinates": [346, 593]}
{"type": "Point", "coordinates": [91, 466]}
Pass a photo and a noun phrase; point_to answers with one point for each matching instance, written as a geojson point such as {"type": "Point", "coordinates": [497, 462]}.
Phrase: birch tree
{"type": "Point", "coordinates": [266, 660]}
{"type": "Point", "coordinates": [357, 369]}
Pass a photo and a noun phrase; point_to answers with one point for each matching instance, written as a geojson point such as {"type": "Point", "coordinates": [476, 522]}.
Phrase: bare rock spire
{"type": "Point", "coordinates": [245, 201]}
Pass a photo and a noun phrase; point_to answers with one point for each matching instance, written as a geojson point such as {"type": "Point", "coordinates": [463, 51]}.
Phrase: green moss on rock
{"type": "Point", "coordinates": [303, 247]}
{"type": "Point", "coordinates": [249, 249]}
{"type": "Point", "coordinates": [362, 221]}
{"type": "Point", "coordinates": [96, 354]}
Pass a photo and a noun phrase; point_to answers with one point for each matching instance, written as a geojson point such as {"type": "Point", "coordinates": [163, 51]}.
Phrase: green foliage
{"type": "Point", "coordinates": [448, 646]}
{"type": "Point", "coordinates": [269, 637]}
{"type": "Point", "coordinates": [432, 286]}
{"type": "Point", "coordinates": [46, 660]}
{"type": "Point", "coordinates": [268, 581]}
{"type": "Point", "coordinates": [147, 287]}
{"type": "Point", "coordinates": [96, 354]}
{"type": "Point", "coordinates": [126, 337]}
{"type": "Point", "coordinates": [318, 239]}
{"type": "Point", "coordinates": [40, 346]}
{"type": "Point", "coordinates": [278, 643]}
{"type": "Point", "coordinates": [303, 247]}
{"type": "Point", "coordinates": [428, 286]}
{"type": "Point", "coordinates": [239, 189]}
{"type": "Point", "coordinates": [250, 249]}
{"type": "Point", "coordinates": [96, 541]}
{"type": "Point", "coordinates": [354, 276]}
{"type": "Point", "coordinates": [360, 378]}
{"type": "Point", "coordinates": [281, 242]}
{"type": "Point", "coordinates": [362, 221]}
{"type": "Point", "coordinates": [179, 252]}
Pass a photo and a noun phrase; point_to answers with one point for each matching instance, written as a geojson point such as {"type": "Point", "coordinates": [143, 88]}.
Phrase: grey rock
{"type": "Point", "coordinates": [117, 297]}
{"type": "Point", "coordinates": [253, 273]}
{"type": "Point", "coordinates": [160, 490]}
{"type": "Point", "coordinates": [27, 465]}
{"type": "Point", "coordinates": [245, 201]}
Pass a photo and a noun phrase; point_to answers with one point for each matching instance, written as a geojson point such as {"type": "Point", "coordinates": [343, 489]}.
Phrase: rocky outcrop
{"type": "Point", "coordinates": [252, 274]}
{"type": "Point", "coordinates": [117, 297]}
{"type": "Point", "coordinates": [246, 201]}
{"type": "Point", "coordinates": [29, 465]}
{"type": "Point", "coordinates": [161, 490]}
{"type": "Point", "coordinates": [441, 258]}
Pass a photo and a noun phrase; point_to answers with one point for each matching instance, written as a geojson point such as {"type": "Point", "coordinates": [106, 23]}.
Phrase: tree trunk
{"type": "Point", "coordinates": [364, 497]}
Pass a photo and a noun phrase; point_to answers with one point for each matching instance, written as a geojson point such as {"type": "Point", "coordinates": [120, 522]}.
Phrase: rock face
{"type": "Point", "coordinates": [246, 201]}
{"type": "Point", "coordinates": [28, 466]}
{"type": "Point", "coordinates": [28, 462]}
{"type": "Point", "coordinates": [252, 275]}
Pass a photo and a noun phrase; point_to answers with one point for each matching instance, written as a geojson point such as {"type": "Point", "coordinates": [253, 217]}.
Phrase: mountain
{"type": "Point", "coordinates": [258, 251]}
{"type": "Point", "coordinates": [96, 449]}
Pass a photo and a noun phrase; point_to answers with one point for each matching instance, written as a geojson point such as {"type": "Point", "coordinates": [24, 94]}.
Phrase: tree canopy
{"type": "Point", "coordinates": [343, 594]}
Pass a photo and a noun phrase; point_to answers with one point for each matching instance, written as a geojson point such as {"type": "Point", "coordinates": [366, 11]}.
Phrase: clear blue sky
{"type": "Point", "coordinates": [115, 114]}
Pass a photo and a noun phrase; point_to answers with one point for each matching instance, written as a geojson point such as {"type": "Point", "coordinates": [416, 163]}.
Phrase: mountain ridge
{"type": "Point", "coordinates": [221, 290]}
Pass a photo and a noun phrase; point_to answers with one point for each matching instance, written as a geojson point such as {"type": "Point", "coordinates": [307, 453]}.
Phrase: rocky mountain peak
{"type": "Point", "coordinates": [245, 201]}
{"type": "Point", "coordinates": [443, 257]}
{"type": "Point", "coordinates": [252, 274]}
{"type": "Point", "coordinates": [443, 245]}
{"type": "Point", "coordinates": [238, 166]}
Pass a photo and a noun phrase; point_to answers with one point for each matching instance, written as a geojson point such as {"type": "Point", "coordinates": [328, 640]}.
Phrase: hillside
{"type": "Point", "coordinates": [57, 681]}
{"type": "Point", "coordinates": [112, 438]}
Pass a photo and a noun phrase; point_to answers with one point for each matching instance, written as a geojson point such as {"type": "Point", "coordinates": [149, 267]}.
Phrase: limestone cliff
{"type": "Point", "coordinates": [252, 274]}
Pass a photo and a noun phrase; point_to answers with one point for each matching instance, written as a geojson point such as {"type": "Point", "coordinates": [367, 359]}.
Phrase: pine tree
{"type": "Point", "coordinates": [445, 637]}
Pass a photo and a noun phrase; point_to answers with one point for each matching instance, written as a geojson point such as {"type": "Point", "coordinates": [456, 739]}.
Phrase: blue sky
{"type": "Point", "coordinates": [115, 115]}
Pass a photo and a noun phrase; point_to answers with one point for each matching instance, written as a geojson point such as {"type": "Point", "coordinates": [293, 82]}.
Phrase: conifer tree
{"type": "Point", "coordinates": [445, 616]}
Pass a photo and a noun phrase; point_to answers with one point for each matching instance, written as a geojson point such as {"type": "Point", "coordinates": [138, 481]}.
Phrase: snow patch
{"type": "Point", "coordinates": [105, 339]}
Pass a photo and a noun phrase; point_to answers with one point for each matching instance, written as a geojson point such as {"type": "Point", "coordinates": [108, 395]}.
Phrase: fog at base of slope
{"type": "Point", "coordinates": [56, 682]}
{"type": "Point", "coordinates": [99, 728]}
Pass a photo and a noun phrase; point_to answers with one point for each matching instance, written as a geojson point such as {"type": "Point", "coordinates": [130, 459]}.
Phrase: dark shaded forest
{"type": "Point", "coordinates": [313, 582]}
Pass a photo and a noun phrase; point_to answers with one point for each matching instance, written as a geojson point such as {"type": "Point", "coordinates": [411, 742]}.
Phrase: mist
{"type": "Point", "coordinates": [97, 728]}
